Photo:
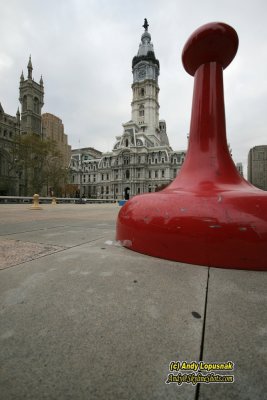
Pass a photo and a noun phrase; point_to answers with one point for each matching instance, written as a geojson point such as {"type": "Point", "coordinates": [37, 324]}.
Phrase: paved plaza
{"type": "Point", "coordinates": [81, 317]}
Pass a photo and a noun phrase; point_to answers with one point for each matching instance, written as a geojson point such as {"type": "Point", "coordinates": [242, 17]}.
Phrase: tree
{"type": "Point", "coordinates": [56, 175]}
{"type": "Point", "coordinates": [41, 164]}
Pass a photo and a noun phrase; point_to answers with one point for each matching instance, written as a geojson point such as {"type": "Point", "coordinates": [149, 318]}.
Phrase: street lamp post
{"type": "Point", "coordinates": [80, 174]}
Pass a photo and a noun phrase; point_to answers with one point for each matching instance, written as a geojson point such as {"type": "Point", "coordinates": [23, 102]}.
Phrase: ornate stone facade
{"type": "Point", "coordinates": [9, 176]}
{"type": "Point", "coordinates": [141, 160]}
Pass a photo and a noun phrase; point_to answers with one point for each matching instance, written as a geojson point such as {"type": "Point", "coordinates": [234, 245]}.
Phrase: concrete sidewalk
{"type": "Point", "coordinates": [81, 317]}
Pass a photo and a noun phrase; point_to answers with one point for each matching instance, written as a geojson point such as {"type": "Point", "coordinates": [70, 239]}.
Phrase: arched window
{"type": "Point", "coordinates": [36, 105]}
{"type": "Point", "coordinates": [141, 111]}
{"type": "Point", "coordinates": [126, 160]}
{"type": "Point", "coordinates": [24, 103]}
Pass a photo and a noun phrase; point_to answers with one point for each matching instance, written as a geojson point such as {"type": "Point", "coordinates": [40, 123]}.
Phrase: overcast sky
{"type": "Point", "coordinates": [84, 49]}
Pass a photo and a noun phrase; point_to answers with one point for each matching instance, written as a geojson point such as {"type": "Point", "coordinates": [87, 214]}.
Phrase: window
{"type": "Point", "coordinates": [163, 160]}
{"type": "Point", "coordinates": [149, 174]}
{"type": "Point", "coordinates": [102, 177]}
{"type": "Point", "coordinates": [142, 92]}
{"type": "Point", "coordinates": [94, 178]}
{"type": "Point", "coordinates": [36, 105]}
{"type": "Point", "coordinates": [174, 173]}
{"type": "Point", "coordinates": [126, 142]}
{"type": "Point", "coordinates": [141, 111]}
{"type": "Point", "coordinates": [107, 177]}
{"type": "Point", "coordinates": [127, 174]}
{"type": "Point", "coordinates": [163, 173]}
{"type": "Point", "coordinates": [156, 174]}
{"type": "Point", "coordinates": [24, 103]}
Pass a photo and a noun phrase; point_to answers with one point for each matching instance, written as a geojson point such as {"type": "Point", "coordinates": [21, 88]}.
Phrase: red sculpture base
{"type": "Point", "coordinates": [209, 215]}
{"type": "Point", "coordinates": [220, 229]}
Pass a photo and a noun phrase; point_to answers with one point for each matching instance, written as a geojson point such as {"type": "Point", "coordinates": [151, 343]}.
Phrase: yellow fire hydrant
{"type": "Point", "coordinates": [54, 201]}
{"type": "Point", "coordinates": [35, 205]}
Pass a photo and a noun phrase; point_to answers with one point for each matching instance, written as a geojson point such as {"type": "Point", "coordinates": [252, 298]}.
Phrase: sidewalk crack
{"type": "Point", "coordinates": [203, 332]}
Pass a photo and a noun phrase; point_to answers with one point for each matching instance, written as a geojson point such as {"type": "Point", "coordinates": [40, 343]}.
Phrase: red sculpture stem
{"type": "Point", "coordinates": [208, 159]}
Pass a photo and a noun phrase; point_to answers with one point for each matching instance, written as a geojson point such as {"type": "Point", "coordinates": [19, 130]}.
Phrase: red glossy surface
{"type": "Point", "coordinates": [215, 41]}
{"type": "Point", "coordinates": [209, 215]}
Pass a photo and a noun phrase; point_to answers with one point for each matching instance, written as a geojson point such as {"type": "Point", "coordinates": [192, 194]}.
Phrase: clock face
{"type": "Point", "coordinates": [141, 73]}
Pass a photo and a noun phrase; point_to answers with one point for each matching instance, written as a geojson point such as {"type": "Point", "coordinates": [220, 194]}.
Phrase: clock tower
{"type": "Point", "coordinates": [145, 106]}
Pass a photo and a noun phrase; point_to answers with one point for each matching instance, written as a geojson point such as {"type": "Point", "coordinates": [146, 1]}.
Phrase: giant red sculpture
{"type": "Point", "coordinates": [209, 215]}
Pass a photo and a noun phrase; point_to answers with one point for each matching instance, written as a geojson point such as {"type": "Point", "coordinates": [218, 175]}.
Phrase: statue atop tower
{"type": "Point", "coordinates": [145, 25]}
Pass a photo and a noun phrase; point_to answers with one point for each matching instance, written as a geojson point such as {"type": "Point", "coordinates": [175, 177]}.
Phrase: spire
{"type": "Point", "coordinates": [22, 76]}
{"type": "Point", "coordinates": [29, 66]}
{"type": "Point", "coordinates": [41, 81]}
{"type": "Point", "coordinates": [145, 45]}
{"type": "Point", "coordinates": [146, 49]}
{"type": "Point", "coordinates": [18, 116]}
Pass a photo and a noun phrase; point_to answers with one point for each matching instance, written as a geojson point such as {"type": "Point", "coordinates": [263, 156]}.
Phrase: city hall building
{"type": "Point", "coordinates": [142, 159]}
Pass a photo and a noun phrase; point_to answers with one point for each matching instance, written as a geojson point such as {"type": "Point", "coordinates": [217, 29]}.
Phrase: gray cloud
{"type": "Point", "coordinates": [84, 51]}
